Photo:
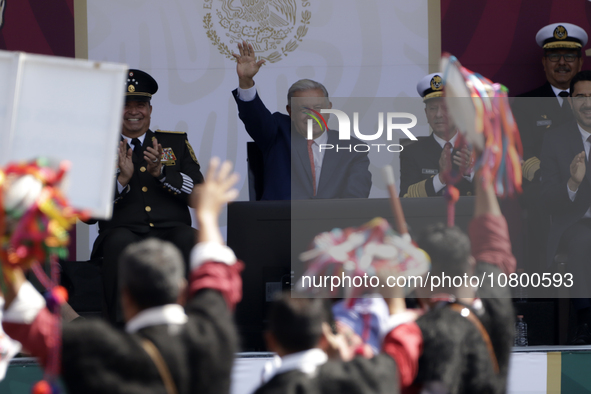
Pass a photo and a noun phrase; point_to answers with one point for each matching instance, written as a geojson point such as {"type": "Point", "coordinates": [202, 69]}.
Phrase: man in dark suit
{"type": "Point", "coordinates": [294, 167]}
{"type": "Point", "coordinates": [156, 174]}
{"type": "Point", "coordinates": [566, 191]}
{"type": "Point", "coordinates": [309, 352]}
{"type": "Point", "coordinates": [165, 348]}
{"type": "Point", "coordinates": [424, 163]}
{"type": "Point", "coordinates": [539, 111]}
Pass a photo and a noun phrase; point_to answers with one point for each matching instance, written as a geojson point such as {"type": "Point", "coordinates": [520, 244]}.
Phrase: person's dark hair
{"type": "Point", "coordinates": [151, 271]}
{"type": "Point", "coordinates": [448, 248]}
{"type": "Point", "coordinates": [584, 75]}
{"type": "Point", "coordinates": [296, 323]}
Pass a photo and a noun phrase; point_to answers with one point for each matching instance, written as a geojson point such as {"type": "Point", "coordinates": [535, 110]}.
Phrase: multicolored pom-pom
{"type": "Point", "coordinates": [487, 122]}
{"type": "Point", "coordinates": [34, 221]}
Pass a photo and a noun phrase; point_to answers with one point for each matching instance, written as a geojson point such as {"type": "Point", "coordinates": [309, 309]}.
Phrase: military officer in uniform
{"type": "Point", "coordinates": [562, 43]}
{"type": "Point", "coordinates": [539, 111]}
{"type": "Point", "coordinates": [156, 174]}
{"type": "Point", "coordinates": [423, 163]}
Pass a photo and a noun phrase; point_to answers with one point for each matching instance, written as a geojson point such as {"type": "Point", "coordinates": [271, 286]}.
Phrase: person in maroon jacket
{"type": "Point", "coordinates": [468, 333]}
{"type": "Point", "coordinates": [189, 327]}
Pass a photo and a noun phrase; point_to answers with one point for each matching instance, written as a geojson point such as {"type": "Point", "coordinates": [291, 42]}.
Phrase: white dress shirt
{"type": "Point", "coordinates": [557, 92]}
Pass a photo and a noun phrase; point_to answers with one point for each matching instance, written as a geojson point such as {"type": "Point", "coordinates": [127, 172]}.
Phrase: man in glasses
{"type": "Point", "coordinates": [539, 111]}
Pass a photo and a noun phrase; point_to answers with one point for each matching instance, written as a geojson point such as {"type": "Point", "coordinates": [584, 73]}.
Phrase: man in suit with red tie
{"type": "Point", "coordinates": [539, 111]}
{"type": "Point", "coordinates": [294, 167]}
{"type": "Point", "coordinates": [566, 192]}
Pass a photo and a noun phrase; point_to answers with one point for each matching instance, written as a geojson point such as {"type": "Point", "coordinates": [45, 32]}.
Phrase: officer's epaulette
{"type": "Point", "coordinates": [170, 132]}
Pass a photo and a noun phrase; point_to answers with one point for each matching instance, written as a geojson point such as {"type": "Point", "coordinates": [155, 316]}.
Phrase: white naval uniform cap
{"type": "Point", "coordinates": [430, 86]}
{"type": "Point", "coordinates": [561, 35]}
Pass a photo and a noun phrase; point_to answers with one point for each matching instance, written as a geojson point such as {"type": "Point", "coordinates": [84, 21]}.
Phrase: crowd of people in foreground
{"type": "Point", "coordinates": [179, 335]}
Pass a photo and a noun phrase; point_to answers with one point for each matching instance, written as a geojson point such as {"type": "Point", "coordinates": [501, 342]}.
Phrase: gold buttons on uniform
{"type": "Point", "coordinates": [151, 224]}
{"type": "Point", "coordinates": [148, 209]}
{"type": "Point", "coordinates": [143, 169]}
{"type": "Point", "coordinates": [144, 189]}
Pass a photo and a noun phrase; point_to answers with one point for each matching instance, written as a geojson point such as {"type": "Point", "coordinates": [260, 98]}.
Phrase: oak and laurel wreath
{"type": "Point", "coordinates": [273, 57]}
{"type": "Point", "coordinates": [300, 33]}
{"type": "Point", "coordinates": [213, 36]}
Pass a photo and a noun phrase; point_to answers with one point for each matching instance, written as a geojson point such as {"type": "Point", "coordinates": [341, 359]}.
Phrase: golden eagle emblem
{"type": "Point", "coordinates": [273, 27]}
{"type": "Point", "coordinates": [436, 83]}
{"type": "Point", "coordinates": [560, 32]}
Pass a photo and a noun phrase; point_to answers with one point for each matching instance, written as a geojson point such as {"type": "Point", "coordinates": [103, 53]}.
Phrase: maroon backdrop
{"type": "Point", "coordinates": [44, 27]}
{"type": "Point", "coordinates": [39, 26]}
{"type": "Point", "coordinates": [496, 38]}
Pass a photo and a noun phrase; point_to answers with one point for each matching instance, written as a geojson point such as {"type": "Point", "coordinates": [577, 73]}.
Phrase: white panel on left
{"type": "Point", "coordinates": [70, 109]}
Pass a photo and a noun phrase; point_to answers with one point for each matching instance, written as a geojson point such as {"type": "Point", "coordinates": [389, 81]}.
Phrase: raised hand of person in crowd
{"type": "Point", "coordinates": [486, 200]}
{"type": "Point", "coordinates": [210, 197]}
{"type": "Point", "coordinates": [463, 159]}
{"type": "Point", "coordinates": [577, 171]}
{"type": "Point", "coordinates": [153, 156]}
{"type": "Point", "coordinates": [336, 345]}
{"type": "Point", "coordinates": [125, 163]}
{"type": "Point", "coordinates": [444, 162]}
{"type": "Point", "coordinates": [246, 65]}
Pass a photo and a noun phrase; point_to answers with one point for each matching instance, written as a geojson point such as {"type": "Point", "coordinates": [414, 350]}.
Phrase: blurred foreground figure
{"type": "Point", "coordinates": [315, 360]}
{"type": "Point", "coordinates": [468, 334]}
{"type": "Point", "coordinates": [165, 348]}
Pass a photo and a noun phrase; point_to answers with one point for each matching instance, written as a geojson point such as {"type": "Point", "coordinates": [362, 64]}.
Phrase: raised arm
{"type": "Point", "coordinates": [488, 230]}
{"type": "Point", "coordinates": [259, 122]}
{"type": "Point", "coordinates": [211, 197]}
{"type": "Point", "coordinates": [486, 200]}
{"type": "Point", "coordinates": [246, 65]}
{"type": "Point", "coordinates": [213, 264]}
